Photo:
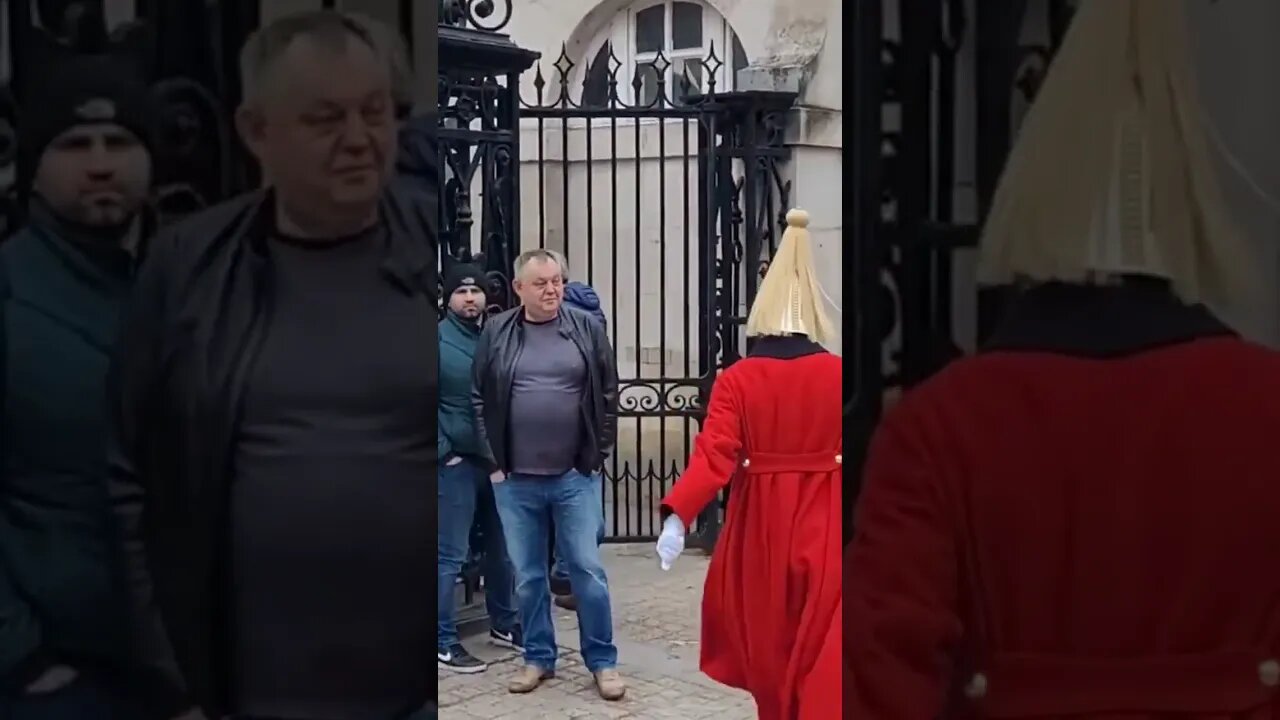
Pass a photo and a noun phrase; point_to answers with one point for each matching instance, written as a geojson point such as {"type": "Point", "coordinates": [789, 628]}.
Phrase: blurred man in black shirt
{"type": "Point", "coordinates": [276, 407]}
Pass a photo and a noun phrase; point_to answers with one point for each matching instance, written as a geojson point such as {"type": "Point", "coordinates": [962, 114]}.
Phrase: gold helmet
{"type": "Point", "coordinates": [789, 300]}
{"type": "Point", "coordinates": [1112, 172]}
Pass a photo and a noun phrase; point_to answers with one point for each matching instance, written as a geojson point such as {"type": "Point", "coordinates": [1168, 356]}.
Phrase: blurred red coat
{"type": "Point", "coordinates": [1082, 522]}
{"type": "Point", "coordinates": [772, 597]}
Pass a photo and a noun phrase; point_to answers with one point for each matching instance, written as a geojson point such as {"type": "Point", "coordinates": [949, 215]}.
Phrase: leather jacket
{"type": "Point", "coordinates": [493, 373]}
{"type": "Point", "coordinates": [198, 318]}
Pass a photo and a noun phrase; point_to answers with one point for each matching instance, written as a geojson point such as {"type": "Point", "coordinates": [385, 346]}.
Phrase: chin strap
{"type": "Point", "coordinates": [1123, 239]}
{"type": "Point", "coordinates": [792, 321]}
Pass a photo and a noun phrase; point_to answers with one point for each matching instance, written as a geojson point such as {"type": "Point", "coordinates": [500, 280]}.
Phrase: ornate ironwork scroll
{"type": "Point", "coordinates": [486, 15]}
{"type": "Point", "coordinates": [478, 144]}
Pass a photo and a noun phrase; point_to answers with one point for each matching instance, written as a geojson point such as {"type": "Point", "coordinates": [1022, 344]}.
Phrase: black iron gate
{"type": "Point", "coordinates": [665, 201]}
{"type": "Point", "coordinates": [907, 230]}
{"type": "Point", "coordinates": [664, 196]}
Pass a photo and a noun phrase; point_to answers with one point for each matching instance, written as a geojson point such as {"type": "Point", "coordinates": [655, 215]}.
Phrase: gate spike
{"type": "Point", "coordinates": [564, 64]}
{"type": "Point", "coordinates": [539, 83]}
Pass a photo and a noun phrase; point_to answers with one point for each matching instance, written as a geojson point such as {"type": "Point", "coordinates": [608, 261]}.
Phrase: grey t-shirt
{"type": "Point", "coordinates": [333, 505]}
{"type": "Point", "coordinates": [546, 402]}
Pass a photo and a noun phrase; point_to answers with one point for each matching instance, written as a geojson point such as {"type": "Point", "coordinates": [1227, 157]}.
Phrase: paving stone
{"type": "Point", "coordinates": [656, 627]}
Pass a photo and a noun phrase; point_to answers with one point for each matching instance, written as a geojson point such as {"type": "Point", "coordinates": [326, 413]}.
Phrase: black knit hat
{"type": "Point", "coordinates": [79, 90]}
{"type": "Point", "coordinates": [462, 275]}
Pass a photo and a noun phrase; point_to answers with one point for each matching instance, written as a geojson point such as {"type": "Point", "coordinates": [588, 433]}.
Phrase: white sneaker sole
{"type": "Point", "coordinates": [508, 644]}
{"type": "Point", "coordinates": [460, 669]}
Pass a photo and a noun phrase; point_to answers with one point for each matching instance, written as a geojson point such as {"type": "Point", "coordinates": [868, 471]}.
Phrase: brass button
{"type": "Point", "coordinates": [977, 687]}
{"type": "Point", "coordinates": [746, 462]}
{"type": "Point", "coordinates": [1269, 673]}
{"type": "Point", "coordinates": [839, 459]}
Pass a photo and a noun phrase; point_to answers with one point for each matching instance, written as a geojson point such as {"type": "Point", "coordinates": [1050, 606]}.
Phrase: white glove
{"type": "Point", "coordinates": [671, 541]}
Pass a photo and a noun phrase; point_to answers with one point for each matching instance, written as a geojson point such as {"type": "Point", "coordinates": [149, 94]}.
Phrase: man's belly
{"type": "Point", "coordinates": [332, 586]}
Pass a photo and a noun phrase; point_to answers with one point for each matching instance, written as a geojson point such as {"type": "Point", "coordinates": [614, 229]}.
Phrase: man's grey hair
{"type": "Point", "coordinates": [540, 255]}
{"type": "Point", "coordinates": [562, 262]}
{"type": "Point", "coordinates": [332, 30]}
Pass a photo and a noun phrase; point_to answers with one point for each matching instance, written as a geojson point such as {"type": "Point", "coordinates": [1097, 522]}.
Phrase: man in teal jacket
{"type": "Point", "coordinates": [466, 497]}
{"type": "Point", "coordinates": [84, 169]}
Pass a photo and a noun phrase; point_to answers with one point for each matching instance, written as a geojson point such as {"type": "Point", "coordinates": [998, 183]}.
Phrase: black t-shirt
{"type": "Point", "coordinates": [548, 384]}
{"type": "Point", "coordinates": [333, 504]}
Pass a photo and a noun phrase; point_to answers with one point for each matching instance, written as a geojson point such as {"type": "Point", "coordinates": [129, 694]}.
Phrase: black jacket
{"type": "Point", "coordinates": [187, 345]}
{"type": "Point", "coordinates": [500, 346]}
{"type": "Point", "coordinates": [62, 593]}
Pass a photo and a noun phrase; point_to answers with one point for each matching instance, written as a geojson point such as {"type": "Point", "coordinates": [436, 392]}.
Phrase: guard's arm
{"type": "Point", "coordinates": [716, 454]}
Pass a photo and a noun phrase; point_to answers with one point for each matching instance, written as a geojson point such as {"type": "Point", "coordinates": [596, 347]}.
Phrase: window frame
{"type": "Point", "coordinates": [621, 31]}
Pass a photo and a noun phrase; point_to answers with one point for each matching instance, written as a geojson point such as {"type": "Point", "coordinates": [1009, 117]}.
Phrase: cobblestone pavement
{"type": "Point", "coordinates": [655, 619]}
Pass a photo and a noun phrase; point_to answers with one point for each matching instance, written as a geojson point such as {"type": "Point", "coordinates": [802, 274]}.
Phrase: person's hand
{"type": "Point", "coordinates": [55, 678]}
{"type": "Point", "coordinates": [497, 476]}
{"type": "Point", "coordinates": [671, 541]}
{"type": "Point", "coordinates": [453, 461]}
{"type": "Point", "coordinates": [194, 713]}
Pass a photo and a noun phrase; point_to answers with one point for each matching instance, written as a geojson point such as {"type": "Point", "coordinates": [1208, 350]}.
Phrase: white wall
{"type": "Point", "coordinates": [1235, 56]}
{"type": "Point", "coordinates": [817, 152]}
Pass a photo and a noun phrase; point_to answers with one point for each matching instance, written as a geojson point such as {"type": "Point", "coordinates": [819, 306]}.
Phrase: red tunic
{"type": "Point", "coordinates": [770, 611]}
{"type": "Point", "coordinates": [1073, 537]}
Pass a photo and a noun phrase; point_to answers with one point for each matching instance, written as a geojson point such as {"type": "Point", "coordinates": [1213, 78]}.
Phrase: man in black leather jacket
{"type": "Point", "coordinates": [275, 411]}
{"type": "Point", "coordinates": [545, 394]}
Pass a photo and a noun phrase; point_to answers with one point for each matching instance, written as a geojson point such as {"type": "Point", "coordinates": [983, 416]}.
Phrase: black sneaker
{"type": "Point", "coordinates": [513, 638]}
{"type": "Point", "coordinates": [457, 659]}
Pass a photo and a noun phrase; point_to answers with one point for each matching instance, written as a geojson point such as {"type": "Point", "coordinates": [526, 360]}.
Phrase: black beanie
{"type": "Point", "coordinates": [462, 275]}
{"type": "Point", "coordinates": [78, 90]}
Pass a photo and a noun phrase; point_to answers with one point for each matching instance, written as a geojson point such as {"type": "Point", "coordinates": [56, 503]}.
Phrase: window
{"type": "Point", "coordinates": [661, 52]}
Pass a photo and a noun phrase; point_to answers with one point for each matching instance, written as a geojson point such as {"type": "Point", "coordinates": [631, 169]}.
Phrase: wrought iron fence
{"type": "Point", "coordinates": [664, 193]}
{"type": "Point", "coordinates": [618, 183]}
{"type": "Point", "coordinates": [664, 196]}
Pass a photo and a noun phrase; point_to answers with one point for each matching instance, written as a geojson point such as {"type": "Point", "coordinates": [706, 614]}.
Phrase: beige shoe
{"type": "Point", "coordinates": [609, 684]}
{"type": "Point", "coordinates": [528, 679]}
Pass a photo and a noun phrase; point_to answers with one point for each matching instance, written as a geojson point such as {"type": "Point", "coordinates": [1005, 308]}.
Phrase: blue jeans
{"type": "Point", "coordinates": [466, 496]}
{"type": "Point", "coordinates": [526, 503]}
{"type": "Point", "coordinates": [558, 570]}
{"type": "Point", "coordinates": [84, 699]}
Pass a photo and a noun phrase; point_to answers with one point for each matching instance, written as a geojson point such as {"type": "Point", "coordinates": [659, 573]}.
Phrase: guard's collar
{"type": "Point", "coordinates": [783, 347]}
{"type": "Point", "coordinates": [1101, 321]}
